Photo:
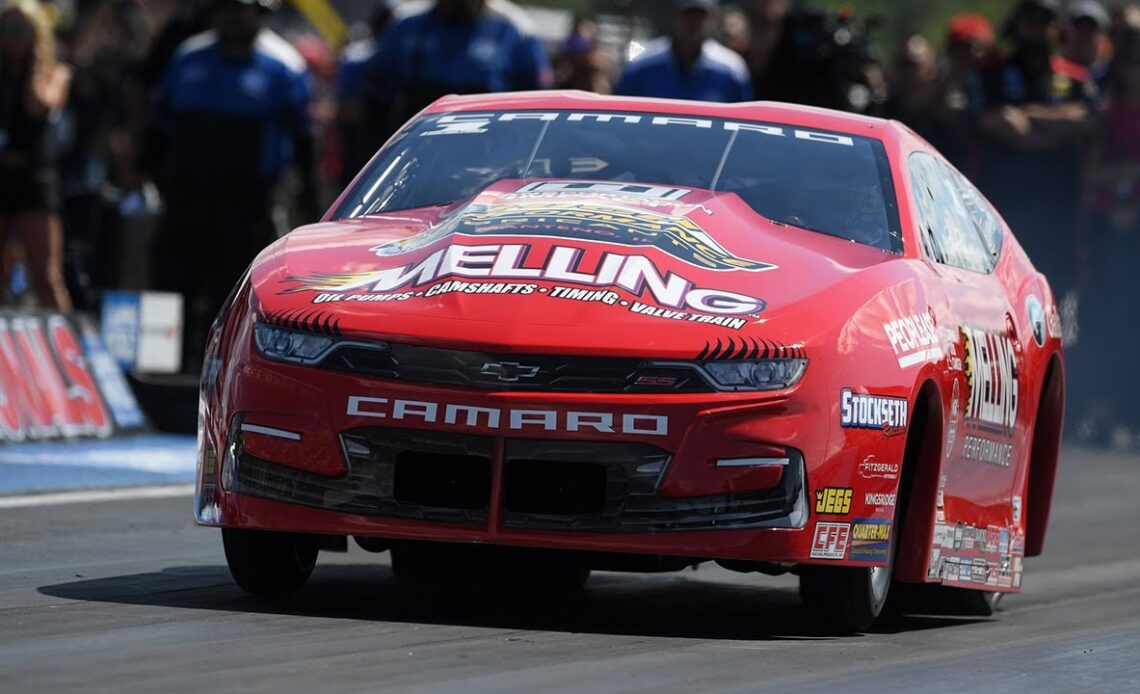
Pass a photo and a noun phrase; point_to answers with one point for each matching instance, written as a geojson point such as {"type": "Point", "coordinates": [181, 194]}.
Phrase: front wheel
{"type": "Point", "coordinates": [269, 564]}
{"type": "Point", "coordinates": [845, 599]}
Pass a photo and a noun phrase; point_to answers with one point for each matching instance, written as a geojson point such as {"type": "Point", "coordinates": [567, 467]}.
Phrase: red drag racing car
{"type": "Point", "coordinates": [561, 332]}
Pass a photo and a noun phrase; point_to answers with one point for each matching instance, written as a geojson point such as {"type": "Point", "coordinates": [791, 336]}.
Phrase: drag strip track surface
{"type": "Point", "coordinates": [129, 596]}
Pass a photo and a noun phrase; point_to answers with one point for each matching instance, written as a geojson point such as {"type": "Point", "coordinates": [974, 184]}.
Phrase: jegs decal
{"type": "Point", "coordinates": [833, 501]}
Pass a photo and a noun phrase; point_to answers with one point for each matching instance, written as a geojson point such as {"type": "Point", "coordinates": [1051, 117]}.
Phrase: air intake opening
{"type": "Point", "coordinates": [554, 488]}
{"type": "Point", "coordinates": [442, 481]}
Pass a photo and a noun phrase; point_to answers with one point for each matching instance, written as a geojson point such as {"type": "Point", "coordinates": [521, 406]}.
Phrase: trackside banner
{"type": "Point", "coordinates": [57, 381]}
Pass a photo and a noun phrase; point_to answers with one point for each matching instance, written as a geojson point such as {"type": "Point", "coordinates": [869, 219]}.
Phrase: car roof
{"type": "Point", "coordinates": [764, 111]}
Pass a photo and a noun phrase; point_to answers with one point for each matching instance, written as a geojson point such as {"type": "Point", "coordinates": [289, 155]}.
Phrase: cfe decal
{"type": "Point", "coordinates": [830, 540]}
{"type": "Point", "coordinates": [677, 236]}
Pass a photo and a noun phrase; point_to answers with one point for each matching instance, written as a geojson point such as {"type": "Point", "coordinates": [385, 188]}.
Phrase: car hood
{"type": "Point", "coordinates": [556, 266]}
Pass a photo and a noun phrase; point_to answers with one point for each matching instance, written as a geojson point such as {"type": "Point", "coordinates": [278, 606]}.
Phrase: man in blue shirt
{"type": "Point", "coordinates": [233, 112]}
{"type": "Point", "coordinates": [459, 47]}
{"type": "Point", "coordinates": [362, 104]}
{"type": "Point", "coordinates": [689, 64]}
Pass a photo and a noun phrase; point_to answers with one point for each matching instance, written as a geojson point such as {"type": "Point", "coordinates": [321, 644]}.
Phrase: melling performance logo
{"type": "Point", "coordinates": [680, 237]}
{"type": "Point", "coordinates": [590, 273]}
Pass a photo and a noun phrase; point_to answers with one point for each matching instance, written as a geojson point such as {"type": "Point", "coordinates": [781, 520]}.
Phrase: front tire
{"type": "Point", "coordinates": [269, 564]}
{"type": "Point", "coordinates": [844, 600]}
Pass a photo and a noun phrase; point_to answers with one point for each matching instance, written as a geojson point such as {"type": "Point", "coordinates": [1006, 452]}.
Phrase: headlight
{"type": "Point", "coordinates": [282, 344]}
{"type": "Point", "coordinates": [750, 374]}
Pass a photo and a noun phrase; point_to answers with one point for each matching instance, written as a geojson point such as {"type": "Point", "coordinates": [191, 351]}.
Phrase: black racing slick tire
{"type": "Point", "coordinates": [844, 600]}
{"type": "Point", "coordinates": [269, 564]}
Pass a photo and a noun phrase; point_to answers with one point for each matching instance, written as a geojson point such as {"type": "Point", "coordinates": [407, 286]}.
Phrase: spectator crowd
{"type": "Point", "coordinates": [201, 116]}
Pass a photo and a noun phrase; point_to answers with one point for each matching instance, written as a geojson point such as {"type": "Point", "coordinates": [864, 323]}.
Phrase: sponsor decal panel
{"type": "Point", "coordinates": [955, 415]}
{"type": "Point", "coordinates": [914, 340]}
{"type": "Point", "coordinates": [872, 468]}
{"type": "Point", "coordinates": [880, 500]}
{"type": "Point", "coordinates": [506, 419]}
{"type": "Point", "coordinates": [830, 540]}
{"type": "Point", "coordinates": [833, 501]}
{"type": "Point", "coordinates": [590, 273]}
{"type": "Point", "coordinates": [866, 411]}
{"type": "Point", "coordinates": [58, 381]}
{"type": "Point", "coordinates": [987, 451]}
{"type": "Point", "coordinates": [993, 380]}
{"type": "Point", "coordinates": [870, 539]}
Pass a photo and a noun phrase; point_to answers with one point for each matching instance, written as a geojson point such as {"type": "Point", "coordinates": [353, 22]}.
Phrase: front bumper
{"type": "Point", "coordinates": [331, 465]}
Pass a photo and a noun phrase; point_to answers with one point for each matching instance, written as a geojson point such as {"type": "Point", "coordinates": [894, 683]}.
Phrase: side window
{"type": "Point", "coordinates": [985, 218]}
{"type": "Point", "coordinates": [945, 225]}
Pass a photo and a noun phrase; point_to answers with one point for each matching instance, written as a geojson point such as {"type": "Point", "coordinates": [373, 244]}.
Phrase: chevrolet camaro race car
{"type": "Point", "coordinates": [549, 333]}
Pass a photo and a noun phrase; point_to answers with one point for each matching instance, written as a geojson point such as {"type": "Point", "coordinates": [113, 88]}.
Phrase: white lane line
{"type": "Point", "coordinates": [90, 496]}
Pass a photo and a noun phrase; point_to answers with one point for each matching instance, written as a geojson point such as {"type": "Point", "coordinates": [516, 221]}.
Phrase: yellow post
{"type": "Point", "coordinates": [324, 18]}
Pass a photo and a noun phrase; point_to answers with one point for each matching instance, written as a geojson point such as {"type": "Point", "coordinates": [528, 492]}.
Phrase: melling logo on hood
{"type": "Point", "coordinates": [680, 237]}
{"type": "Point", "coordinates": [594, 272]}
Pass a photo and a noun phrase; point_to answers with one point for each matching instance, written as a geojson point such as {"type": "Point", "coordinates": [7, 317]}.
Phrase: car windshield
{"type": "Point", "coordinates": [833, 183]}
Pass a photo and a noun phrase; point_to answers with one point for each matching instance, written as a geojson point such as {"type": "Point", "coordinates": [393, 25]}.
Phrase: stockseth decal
{"type": "Point", "coordinates": [914, 340]}
{"type": "Point", "coordinates": [830, 540]}
{"type": "Point", "coordinates": [499, 419]}
{"type": "Point", "coordinates": [833, 501]}
{"type": "Point", "coordinates": [992, 377]}
{"type": "Point", "coordinates": [863, 411]}
{"type": "Point", "coordinates": [870, 539]}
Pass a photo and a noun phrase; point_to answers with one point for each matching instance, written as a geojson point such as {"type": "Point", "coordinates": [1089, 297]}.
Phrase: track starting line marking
{"type": "Point", "coordinates": [89, 496]}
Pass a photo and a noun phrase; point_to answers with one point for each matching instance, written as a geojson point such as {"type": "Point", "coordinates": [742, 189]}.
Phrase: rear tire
{"type": "Point", "coordinates": [269, 564]}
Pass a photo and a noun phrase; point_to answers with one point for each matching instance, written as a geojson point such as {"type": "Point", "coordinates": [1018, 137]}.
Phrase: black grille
{"type": "Point", "coordinates": [392, 472]}
{"type": "Point", "coordinates": [547, 485]}
{"type": "Point", "coordinates": [625, 498]}
{"type": "Point", "coordinates": [488, 371]}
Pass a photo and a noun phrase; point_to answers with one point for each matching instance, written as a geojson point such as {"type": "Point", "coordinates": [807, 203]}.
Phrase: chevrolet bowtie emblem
{"type": "Point", "coordinates": [509, 371]}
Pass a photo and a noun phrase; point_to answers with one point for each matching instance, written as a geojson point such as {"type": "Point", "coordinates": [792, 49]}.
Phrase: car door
{"type": "Point", "coordinates": [982, 369]}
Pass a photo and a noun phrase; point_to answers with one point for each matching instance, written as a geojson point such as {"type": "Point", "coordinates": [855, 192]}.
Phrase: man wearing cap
{"type": "Point", "coordinates": [232, 110]}
{"type": "Point", "coordinates": [1086, 35]}
{"type": "Point", "coordinates": [689, 64]}
{"type": "Point", "coordinates": [362, 106]}
{"type": "Point", "coordinates": [1035, 112]}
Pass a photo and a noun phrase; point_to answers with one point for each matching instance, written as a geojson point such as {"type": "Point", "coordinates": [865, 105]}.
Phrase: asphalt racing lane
{"type": "Point", "coordinates": [107, 596]}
